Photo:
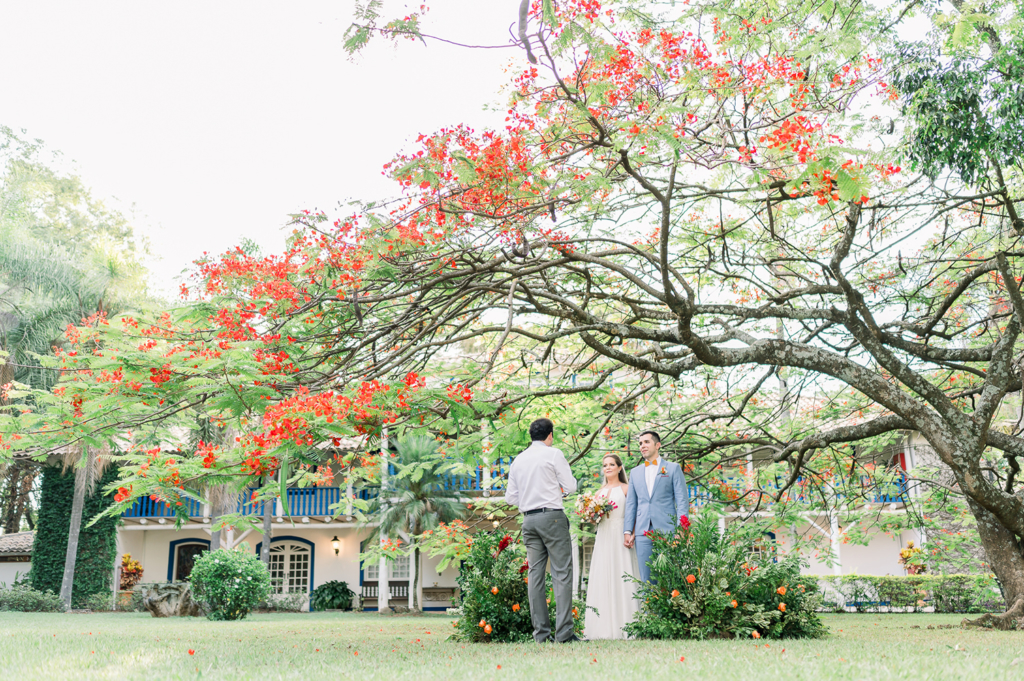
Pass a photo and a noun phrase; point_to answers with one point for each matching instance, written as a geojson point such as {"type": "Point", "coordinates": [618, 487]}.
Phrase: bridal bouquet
{"type": "Point", "coordinates": [593, 509]}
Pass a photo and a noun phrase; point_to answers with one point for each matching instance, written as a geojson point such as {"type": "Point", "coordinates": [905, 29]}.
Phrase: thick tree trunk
{"type": "Point", "coordinates": [82, 480]}
{"type": "Point", "coordinates": [19, 478]}
{"type": "Point", "coordinates": [1006, 559]}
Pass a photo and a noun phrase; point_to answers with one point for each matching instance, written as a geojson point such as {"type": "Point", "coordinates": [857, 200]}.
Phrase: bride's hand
{"type": "Point", "coordinates": [627, 540]}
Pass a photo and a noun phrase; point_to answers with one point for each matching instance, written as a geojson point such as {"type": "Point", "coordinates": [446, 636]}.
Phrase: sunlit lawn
{"type": "Point", "coordinates": [367, 646]}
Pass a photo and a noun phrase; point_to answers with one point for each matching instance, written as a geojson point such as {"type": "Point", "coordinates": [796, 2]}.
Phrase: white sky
{"type": "Point", "coordinates": [217, 119]}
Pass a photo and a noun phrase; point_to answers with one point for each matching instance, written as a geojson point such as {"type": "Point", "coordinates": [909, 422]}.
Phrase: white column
{"type": "Point", "coordinates": [383, 593]}
{"type": "Point", "coordinates": [833, 538]}
{"type": "Point", "coordinates": [413, 569]}
{"type": "Point", "coordinates": [721, 525]}
{"type": "Point", "coordinates": [485, 477]}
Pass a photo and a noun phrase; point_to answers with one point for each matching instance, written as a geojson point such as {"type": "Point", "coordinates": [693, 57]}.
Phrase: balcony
{"type": "Point", "coordinates": [317, 501]}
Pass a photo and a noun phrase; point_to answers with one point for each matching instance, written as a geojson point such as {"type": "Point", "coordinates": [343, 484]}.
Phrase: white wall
{"type": "Point", "coordinates": [11, 571]}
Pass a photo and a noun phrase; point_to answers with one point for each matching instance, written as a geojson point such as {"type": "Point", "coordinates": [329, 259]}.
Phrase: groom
{"type": "Point", "coordinates": [657, 497]}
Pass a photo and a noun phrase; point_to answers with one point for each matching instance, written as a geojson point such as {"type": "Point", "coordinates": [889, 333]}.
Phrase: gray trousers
{"type": "Point", "coordinates": [546, 536]}
{"type": "Point", "coordinates": [644, 549]}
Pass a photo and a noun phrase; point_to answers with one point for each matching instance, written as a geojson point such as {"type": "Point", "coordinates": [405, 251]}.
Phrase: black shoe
{"type": "Point", "coordinates": [574, 639]}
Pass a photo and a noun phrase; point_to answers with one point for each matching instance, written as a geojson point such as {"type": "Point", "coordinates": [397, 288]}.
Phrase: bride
{"type": "Point", "coordinates": [607, 591]}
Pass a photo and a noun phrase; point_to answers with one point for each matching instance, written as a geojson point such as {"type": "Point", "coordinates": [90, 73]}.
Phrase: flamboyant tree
{"type": "Point", "coordinates": [740, 205]}
{"type": "Point", "coordinates": [716, 192]}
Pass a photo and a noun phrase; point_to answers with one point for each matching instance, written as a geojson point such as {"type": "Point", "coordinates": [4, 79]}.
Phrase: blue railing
{"type": "Point", "coordinates": [317, 501]}
{"type": "Point", "coordinates": [145, 507]}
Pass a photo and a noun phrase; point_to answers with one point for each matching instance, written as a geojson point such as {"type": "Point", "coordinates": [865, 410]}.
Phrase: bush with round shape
{"type": "Point", "coordinates": [229, 583]}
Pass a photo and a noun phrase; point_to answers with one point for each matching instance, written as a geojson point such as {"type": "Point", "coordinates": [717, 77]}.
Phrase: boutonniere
{"type": "Point", "coordinates": [663, 471]}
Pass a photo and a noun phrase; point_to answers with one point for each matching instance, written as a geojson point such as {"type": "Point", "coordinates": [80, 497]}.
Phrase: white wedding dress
{"type": "Point", "coordinates": [607, 590]}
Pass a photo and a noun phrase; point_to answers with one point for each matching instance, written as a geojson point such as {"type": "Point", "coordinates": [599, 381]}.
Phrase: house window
{"type": "Point", "coordinates": [289, 567]}
{"type": "Point", "coordinates": [398, 569]}
{"type": "Point", "coordinates": [185, 559]}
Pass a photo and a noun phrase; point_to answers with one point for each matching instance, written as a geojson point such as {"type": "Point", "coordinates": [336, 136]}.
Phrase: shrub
{"type": "Point", "coordinates": [23, 598]}
{"type": "Point", "coordinates": [100, 601]}
{"type": "Point", "coordinates": [907, 593]}
{"type": "Point", "coordinates": [229, 584]}
{"type": "Point", "coordinates": [494, 591]}
{"type": "Point", "coordinates": [284, 602]}
{"type": "Point", "coordinates": [332, 595]}
{"type": "Point", "coordinates": [710, 586]}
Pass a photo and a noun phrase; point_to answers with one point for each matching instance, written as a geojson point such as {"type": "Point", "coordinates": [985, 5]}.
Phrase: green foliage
{"type": "Point", "coordinates": [709, 586]}
{"type": "Point", "coordinates": [967, 111]}
{"type": "Point", "coordinates": [910, 593]}
{"type": "Point", "coordinates": [494, 587]}
{"type": "Point", "coordinates": [229, 584]}
{"type": "Point", "coordinates": [23, 598]}
{"type": "Point", "coordinates": [284, 603]}
{"type": "Point", "coordinates": [97, 542]}
{"type": "Point", "coordinates": [333, 595]}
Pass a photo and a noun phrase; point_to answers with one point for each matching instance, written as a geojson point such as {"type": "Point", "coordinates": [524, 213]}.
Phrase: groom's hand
{"type": "Point", "coordinates": [627, 540]}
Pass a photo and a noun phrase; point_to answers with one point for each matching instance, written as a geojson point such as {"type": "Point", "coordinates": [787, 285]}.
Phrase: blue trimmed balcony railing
{"type": "Point", "coordinates": [317, 501]}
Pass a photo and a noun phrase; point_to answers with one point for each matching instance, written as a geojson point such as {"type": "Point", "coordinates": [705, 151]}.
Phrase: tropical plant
{"type": "Point", "coordinates": [229, 583]}
{"type": "Point", "coordinates": [708, 585]}
{"type": "Point", "coordinates": [131, 572]}
{"type": "Point", "coordinates": [333, 595]}
{"type": "Point", "coordinates": [493, 582]}
{"type": "Point", "coordinates": [414, 501]}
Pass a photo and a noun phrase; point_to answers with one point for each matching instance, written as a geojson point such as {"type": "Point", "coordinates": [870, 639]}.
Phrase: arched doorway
{"type": "Point", "coordinates": [291, 565]}
{"type": "Point", "coordinates": [182, 558]}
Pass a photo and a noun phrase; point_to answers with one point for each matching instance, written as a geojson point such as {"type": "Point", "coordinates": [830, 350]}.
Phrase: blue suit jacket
{"type": "Point", "coordinates": [661, 509]}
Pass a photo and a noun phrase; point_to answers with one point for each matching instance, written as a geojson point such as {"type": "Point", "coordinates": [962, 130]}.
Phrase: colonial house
{"type": "Point", "coordinates": [311, 545]}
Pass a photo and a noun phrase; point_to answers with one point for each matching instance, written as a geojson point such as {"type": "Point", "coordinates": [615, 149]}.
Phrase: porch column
{"type": "Point", "coordinates": [383, 591]}
{"type": "Point", "coordinates": [833, 537]}
{"type": "Point", "coordinates": [485, 476]}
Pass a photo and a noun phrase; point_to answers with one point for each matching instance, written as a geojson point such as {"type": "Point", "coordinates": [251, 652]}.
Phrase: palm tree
{"type": "Point", "coordinates": [415, 500]}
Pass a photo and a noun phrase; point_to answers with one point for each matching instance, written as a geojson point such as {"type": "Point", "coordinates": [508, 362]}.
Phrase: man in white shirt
{"type": "Point", "coordinates": [537, 480]}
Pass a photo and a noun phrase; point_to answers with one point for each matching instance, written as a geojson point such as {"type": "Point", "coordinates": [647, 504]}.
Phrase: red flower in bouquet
{"type": "Point", "coordinates": [684, 522]}
{"type": "Point", "coordinates": [524, 567]}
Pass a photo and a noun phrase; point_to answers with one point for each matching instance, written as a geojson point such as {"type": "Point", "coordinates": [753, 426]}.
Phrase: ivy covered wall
{"type": "Point", "coordinates": [97, 545]}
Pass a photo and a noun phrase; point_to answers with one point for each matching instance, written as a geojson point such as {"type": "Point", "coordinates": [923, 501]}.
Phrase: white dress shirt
{"type": "Point", "coordinates": [538, 478]}
{"type": "Point", "coordinates": [650, 474]}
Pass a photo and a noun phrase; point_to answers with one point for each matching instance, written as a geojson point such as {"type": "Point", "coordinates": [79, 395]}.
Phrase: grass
{"type": "Point", "coordinates": [367, 646]}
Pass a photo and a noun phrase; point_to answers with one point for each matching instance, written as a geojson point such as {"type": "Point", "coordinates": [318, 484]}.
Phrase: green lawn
{"type": "Point", "coordinates": [367, 646]}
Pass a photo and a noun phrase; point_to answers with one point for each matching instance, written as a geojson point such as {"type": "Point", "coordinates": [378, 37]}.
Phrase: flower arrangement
{"type": "Point", "coordinates": [713, 586]}
{"type": "Point", "coordinates": [131, 572]}
{"type": "Point", "coordinates": [494, 584]}
{"type": "Point", "coordinates": [591, 508]}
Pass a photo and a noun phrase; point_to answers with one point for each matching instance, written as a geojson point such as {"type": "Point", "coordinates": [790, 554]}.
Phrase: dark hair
{"type": "Point", "coordinates": [618, 462]}
{"type": "Point", "coordinates": [540, 429]}
{"type": "Point", "coordinates": [657, 438]}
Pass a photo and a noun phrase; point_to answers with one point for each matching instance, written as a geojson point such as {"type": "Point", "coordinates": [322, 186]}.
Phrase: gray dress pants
{"type": "Point", "coordinates": [546, 536]}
